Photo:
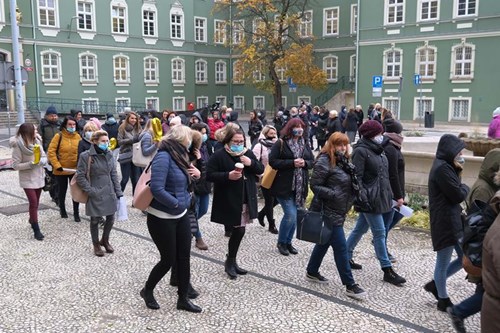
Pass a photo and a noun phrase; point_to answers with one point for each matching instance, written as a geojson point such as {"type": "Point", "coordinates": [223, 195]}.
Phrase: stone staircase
{"type": "Point", "coordinates": [28, 118]}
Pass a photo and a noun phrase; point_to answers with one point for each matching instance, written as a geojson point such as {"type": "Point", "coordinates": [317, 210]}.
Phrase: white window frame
{"type": "Point", "coordinates": [222, 99]}
{"type": "Point", "coordinates": [453, 75]}
{"type": "Point", "coordinates": [220, 34]}
{"type": "Point", "coordinates": [281, 71]}
{"type": "Point", "coordinates": [332, 72]}
{"type": "Point", "coordinates": [255, 103]}
{"type": "Point", "coordinates": [46, 9]}
{"type": "Point", "coordinates": [149, 71]}
{"type": "Point", "coordinates": [150, 8]}
{"type": "Point", "coordinates": [426, 63]}
{"type": "Point", "coordinates": [201, 101]}
{"type": "Point", "coordinates": [456, 4]}
{"type": "Point", "coordinates": [82, 15]}
{"type": "Point", "coordinates": [90, 99]}
{"type": "Point", "coordinates": [389, 99]}
{"type": "Point", "coordinates": [416, 103]}
{"type": "Point", "coordinates": [257, 35]}
{"type": "Point", "coordinates": [220, 73]}
{"type": "Point", "coordinates": [181, 71]}
{"type": "Point", "coordinates": [57, 81]}
{"type": "Point", "coordinates": [120, 108]}
{"type": "Point", "coordinates": [450, 111]}
{"type": "Point", "coordinates": [181, 100]}
{"type": "Point", "coordinates": [200, 30]}
{"type": "Point", "coordinates": [352, 68]}
{"type": "Point", "coordinates": [354, 19]}
{"type": "Point", "coordinates": [83, 80]}
{"type": "Point", "coordinates": [385, 72]}
{"type": "Point", "coordinates": [201, 71]}
{"type": "Point", "coordinates": [304, 98]}
{"type": "Point", "coordinates": [156, 102]}
{"type": "Point", "coordinates": [388, 7]}
{"type": "Point", "coordinates": [334, 20]}
{"type": "Point", "coordinates": [420, 7]}
{"type": "Point", "coordinates": [258, 75]}
{"type": "Point", "coordinates": [177, 10]}
{"type": "Point", "coordinates": [306, 25]}
{"type": "Point", "coordinates": [119, 81]}
{"type": "Point", "coordinates": [239, 103]}
{"type": "Point", "coordinates": [238, 31]}
{"type": "Point", "coordinates": [284, 101]}
{"type": "Point", "coordinates": [238, 79]}
{"type": "Point", "coordinates": [2, 14]}
{"type": "Point", "coordinates": [119, 36]}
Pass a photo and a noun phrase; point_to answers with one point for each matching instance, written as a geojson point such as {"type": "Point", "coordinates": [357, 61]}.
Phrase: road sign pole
{"type": "Point", "coordinates": [17, 63]}
{"type": "Point", "coordinates": [421, 106]}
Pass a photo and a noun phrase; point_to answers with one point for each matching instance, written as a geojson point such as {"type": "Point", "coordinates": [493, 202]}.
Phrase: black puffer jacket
{"type": "Point", "coordinates": [446, 192]}
{"type": "Point", "coordinates": [396, 168]}
{"type": "Point", "coordinates": [321, 129]}
{"type": "Point", "coordinates": [332, 190]}
{"type": "Point", "coordinates": [372, 170]}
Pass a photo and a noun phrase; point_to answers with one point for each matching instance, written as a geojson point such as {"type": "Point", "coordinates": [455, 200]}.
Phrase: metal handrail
{"type": "Point", "coordinates": [343, 83]}
{"type": "Point", "coordinates": [65, 105]}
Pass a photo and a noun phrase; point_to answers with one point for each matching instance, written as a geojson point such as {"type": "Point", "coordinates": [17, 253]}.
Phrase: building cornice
{"type": "Point", "coordinates": [430, 38]}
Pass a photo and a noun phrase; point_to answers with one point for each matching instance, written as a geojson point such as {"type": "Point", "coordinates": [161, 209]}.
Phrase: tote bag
{"type": "Point", "coordinates": [138, 157]}
{"type": "Point", "coordinates": [77, 194]}
{"type": "Point", "coordinates": [142, 195]}
{"type": "Point", "coordinates": [313, 227]}
{"type": "Point", "coordinates": [268, 177]}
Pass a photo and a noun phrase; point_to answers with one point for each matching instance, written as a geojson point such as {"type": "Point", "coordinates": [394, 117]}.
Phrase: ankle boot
{"type": "Point", "coordinates": [260, 217]}
{"type": "Point", "coordinates": [149, 299]}
{"type": "Point", "coordinates": [431, 288]}
{"type": "Point", "coordinates": [184, 303]}
{"type": "Point", "coordinates": [392, 277]}
{"type": "Point", "coordinates": [36, 231]}
{"type": "Point", "coordinates": [272, 227]}
{"type": "Point", "coordinates": [444, 303]}
{"type": "Point", "coordinates": [62, 210]}
{"type": "Point", "coordinates": [229, 267]}
{"type": "Point", "coordinates": [192, 293]}
{"type": "Point", "coordinates": [105, 242]}
{"type": "Point", "coordinates": [76, 212]}
{"type": "Point", "coordinates": [97, 250]}
{"type": "Point", "coordinates": [239, 270]}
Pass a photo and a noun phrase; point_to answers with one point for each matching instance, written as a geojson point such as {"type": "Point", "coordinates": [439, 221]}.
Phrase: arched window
{"type": "Point", "coordinates": [51, 67]}
{"type": "Point", "coordinates": [151, 70]}
{"type": "Point", "coordinates": [178, 71]}
{"type": "Point", "coordinates": [88, 68]}
{"type": "Point", "coordinates": [201, 71]}
{"type": "Point", "coordinates": [121, 69]}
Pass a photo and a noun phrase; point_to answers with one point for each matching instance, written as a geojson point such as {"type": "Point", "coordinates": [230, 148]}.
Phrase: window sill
{"type": "Point", "coordinates": [461, 80]}
{"type": "Point", "coordinates": [122, 84]}
{"type": "Point", "coordinates": [151, 84]}
{"type": "Point", "coordinates": [49, 31]}
{"type": "Point", "coordinates": [150, 40]}
{"type": "Point", "coordinates": [177, 42]}
{"type": "Point", "coordinates": [178, 84]}
{"type": "Point", "coordinates": [120, 38]}
{"type": "Point", "coordinates": [89, 84]}
{"type": "Point", "coordinates": [391, 80]}
{"type": "Point", "coordinates": [52, 84]}
{"type": "Point", "coordinates": [88, 35]}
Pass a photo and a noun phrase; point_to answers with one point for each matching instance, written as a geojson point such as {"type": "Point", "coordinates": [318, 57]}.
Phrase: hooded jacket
{"type": "Point", "coordinates": [30, 175]}
{"type": "Point", "coordinates": [111, 126]}
{"type": "Point", "coordinates": [446, 192]}
{"type": "Point", "coordinates": [484, 187]}
{"type": "Point", "coordinates": [494, 128]}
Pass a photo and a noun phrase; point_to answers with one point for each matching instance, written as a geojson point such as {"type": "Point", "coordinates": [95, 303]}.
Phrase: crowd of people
{"type": "Point", "coordinates": [199, 156]}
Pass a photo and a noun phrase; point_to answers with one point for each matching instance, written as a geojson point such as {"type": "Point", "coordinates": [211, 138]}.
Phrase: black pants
{"type": "Point", "coordinates": [94, 227]}
{"type": "Point", "coordinates": [172, 237]}
{"type": "Point", "coordinates": [54, 189]}
{"type": "Point", "coordinates": [269, 203]}
{"type": "Point", "coordinates": [62, 182]}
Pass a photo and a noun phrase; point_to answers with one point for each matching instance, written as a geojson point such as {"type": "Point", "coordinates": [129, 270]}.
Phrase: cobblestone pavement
{"type": "Point", "coordinates": [58, 285]}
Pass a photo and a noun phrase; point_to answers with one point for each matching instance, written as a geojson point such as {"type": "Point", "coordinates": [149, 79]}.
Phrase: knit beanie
{"type": "Point", "coordinates": [370, 129]}
{"type": "Point", "coordinates": [391, 125]}
{"type": "Point", "coordinates": [51, 110]}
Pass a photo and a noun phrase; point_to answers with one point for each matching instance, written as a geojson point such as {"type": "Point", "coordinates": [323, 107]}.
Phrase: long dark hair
{"type": "Point", "coordinates": [65, 122]}
{"type": "Point", "coordinates": [286, 132]}
{"type": "Point", "coordinates": [27, 132]}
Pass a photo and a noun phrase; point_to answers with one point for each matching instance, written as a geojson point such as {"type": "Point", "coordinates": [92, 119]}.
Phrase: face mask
{"type": "Point", "coordinates": [297, 132]}
{"type": "Point", "coordinates": [88, 135]}
{"type": "Point", "coordinates": [236, 148]}
{"type": "Point", "coordinates": [71, 129]}
{"type": "Point", "coordinates": [460, 160]}
{"type": "Point", "coordinates": [103, 146]}
{"type": "Point", "coordinates": [339, 153]}
{"type": "Point", "coordinates": [271, 138]}
{"type": "Point", "coordinates": [378, 139]}
{"type": "Point", "coordinates": [204, 137]}
{"type": "Point", "coordinates": [294, 115]}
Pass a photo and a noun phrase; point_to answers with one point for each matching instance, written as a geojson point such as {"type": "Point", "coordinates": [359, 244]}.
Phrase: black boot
{"type": "Point", "coordinates": [392, 277]}
{"type": "Point", "coordinates": [431, 288]}
{"type": "Point", "coordinates": [444, 303]}
{"type": "Point", "coordinates": [192, 293]}
{"type": "Point", "coordinates": [76, 212]}
{"type": "Point", "coordinates": [272, 227]}
{"type": "Point", "coordinates": [149, 299]}
{"type": "Point", "coordinates": [260, 217]}
{"type": "Point", "coordinates": [229, 267]}
{"type": "Point", "coordinates": [62, 210]}
{"type": "Point", "coordinates": [283, 249]}
{"type": "Point", "coordinates": [184, 303]}
{"type": "Point", "coordinates": [36, 231]}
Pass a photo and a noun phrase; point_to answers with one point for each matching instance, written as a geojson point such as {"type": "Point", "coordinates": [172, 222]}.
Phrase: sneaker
{"type": "Point", "coordinates": [392, 277]}
{"type": "Point", "coordinates": [356, 292]}
{"type": "Point", "coordinates": [355, 265]}
{"type": "Point", "coordinates": [456, 321]}
{"type": "Point", "coordinates": [316, 277]}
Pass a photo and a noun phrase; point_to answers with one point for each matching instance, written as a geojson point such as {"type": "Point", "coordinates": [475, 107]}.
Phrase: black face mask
{"type": "Point", "coordinates": [271, 138]}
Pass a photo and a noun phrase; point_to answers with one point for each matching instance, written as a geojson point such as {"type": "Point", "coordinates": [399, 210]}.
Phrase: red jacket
{"type": "Point", "coordinates": [214, 125]}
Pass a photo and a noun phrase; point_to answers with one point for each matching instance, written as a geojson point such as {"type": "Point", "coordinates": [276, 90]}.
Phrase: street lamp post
{"type": "Point", "coordinates": [17, 63]}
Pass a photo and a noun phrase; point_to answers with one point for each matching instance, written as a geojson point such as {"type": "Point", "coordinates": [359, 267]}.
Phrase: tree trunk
{"type": "Point", "coordinates": [277, 93]}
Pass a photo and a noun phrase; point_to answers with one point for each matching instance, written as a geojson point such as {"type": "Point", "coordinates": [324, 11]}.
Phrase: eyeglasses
{"type": "Point", "coordinates": [237, 142]}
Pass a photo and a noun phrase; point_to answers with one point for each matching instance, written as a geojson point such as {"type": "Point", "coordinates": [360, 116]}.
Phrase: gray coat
{"type": "Point", "coordinates": [104, 187]}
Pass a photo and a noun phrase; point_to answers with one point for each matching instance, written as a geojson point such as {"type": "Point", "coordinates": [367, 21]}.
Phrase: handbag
{"type": "Point", "coordinates": [48, 182]}
{"type": "Point", "coordinates": [125, 157]}
{"type": "Point", "coordinates": [138, 157]}
{"type": "Point", "coordinates": [268, 177]}
{"type": "Point", "coordinates": [142, 196]}
{"type": "Point", "coordinates": [77, 194]}
{"type": "Point", "coordinates": [313, 226]}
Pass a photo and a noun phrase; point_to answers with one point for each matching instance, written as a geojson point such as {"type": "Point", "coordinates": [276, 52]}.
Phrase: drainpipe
{"type": "Point", "coordinates": [35, 58]}
{"type": "Point", "coordinates": [356, 82]}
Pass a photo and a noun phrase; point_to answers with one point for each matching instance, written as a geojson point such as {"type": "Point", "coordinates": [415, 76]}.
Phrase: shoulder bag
{"type": "Point", "coordinates": [77, 194]}
{"type": "Point", "coordinates": [138, 157]}
{"type": "Point", "coordinates": [313, 226]}
{"type": "Point", "coordinates": [142, 195]}
{"type": "Point", "coordinates": [270, 173]}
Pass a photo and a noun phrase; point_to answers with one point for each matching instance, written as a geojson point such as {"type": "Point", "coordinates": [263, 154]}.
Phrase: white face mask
{"type": "Point", "coordinates": [378, 139]}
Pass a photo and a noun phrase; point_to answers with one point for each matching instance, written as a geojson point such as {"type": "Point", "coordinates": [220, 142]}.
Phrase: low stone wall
{"type": "Point", "coordinates": [418, 165]}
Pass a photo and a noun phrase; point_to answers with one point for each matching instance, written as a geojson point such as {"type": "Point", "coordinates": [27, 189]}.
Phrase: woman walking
{"type": "Point", "coordinates": [334, 182]}
{"type": "Point", "coordinates": [102, 187]}
{"type": "Point", "coordinates": [254, 127]}
{"type": "Point", "coordinates": [167, 220]}
{"type": "Point", "coordinates": [261, 151]}
{"type": "Point", "coordinates": [128, 134]}
{"type": "Point", "coordinates": [149, 146]}
{"type": "Point", "coordinates": [63, 156]}
{"type": "Point", "coordinates": [234, 170]}
{"type": "Point", "coordinates": [292, 157]}
{"type": "Point", "coordinates": [351, 125]}
{"type": "Point", "coordinates": [31, 172]}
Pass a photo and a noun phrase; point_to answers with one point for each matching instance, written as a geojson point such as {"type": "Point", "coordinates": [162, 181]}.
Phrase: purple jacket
{"type": "Point", "coordinates": [494, 129]}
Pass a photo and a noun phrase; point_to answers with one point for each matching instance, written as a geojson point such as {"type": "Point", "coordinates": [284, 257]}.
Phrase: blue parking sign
{"type": "Point", "coordinates": [417, 79]}
{"type": "Point", "coordinates": [377, 81]}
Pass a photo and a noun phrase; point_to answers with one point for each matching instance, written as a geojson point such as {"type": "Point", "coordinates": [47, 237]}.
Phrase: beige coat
{"type": "Point", "coordinates": [30, 175]}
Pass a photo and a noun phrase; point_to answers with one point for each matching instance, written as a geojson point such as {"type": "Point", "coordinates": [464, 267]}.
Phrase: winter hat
{"type": "Point", "coordinates": [96, 121]}
{"type": "Point", "coordinates": [391, 125]}
{"type": "Point", "coordinates": [109, 115]}
{"type": "Point", "coordinates": [370, 129]}
{"type": "Point", "coordinates": [496, 112]}
{"type": "Point", "coordinates": [51, 110]}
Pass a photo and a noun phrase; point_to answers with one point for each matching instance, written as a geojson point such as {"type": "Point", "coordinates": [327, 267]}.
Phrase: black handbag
{"type": "Point", "coordinates": [48, 182]}
{"type": "Point", "coordinates": [313, 226]}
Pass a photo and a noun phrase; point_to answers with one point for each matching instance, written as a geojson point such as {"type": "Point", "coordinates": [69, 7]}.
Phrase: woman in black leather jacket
{"type": "Point", "coordinates": [334, 183]}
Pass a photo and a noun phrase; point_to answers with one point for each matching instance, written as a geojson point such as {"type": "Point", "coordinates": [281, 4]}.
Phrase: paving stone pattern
{"type": "Point", "coordinates": [58, 285]}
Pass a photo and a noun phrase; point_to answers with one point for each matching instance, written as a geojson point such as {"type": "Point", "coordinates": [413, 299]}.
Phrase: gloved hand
{"type": "Point", "coordinates": [60, 169]}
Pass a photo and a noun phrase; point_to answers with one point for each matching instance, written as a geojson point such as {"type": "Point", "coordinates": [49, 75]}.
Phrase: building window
{"type": "Point", "coordinates": [88, 68]}
{"type": "Point", "coordinates": [284, 101]}
{"type": "Point", "coordinates": [354, 19]}
{"type": "Point", "coordinates": [428, 10]}
{"type": "Point", "coordinates": [258, 73]}
{"type": "Point", "coordinates": [220, 72]}
{"type": "Point", "coordinates": [281, 71]}
{"type": "Point", "coordinates": [2, 14]}
{"type": "Point", "coordinates": [391, 104]}
{"type": "Point", "coordinates": [48, 13]}
{"type": "Point", "coordinates": [152, 103]}
{"type": "Point", "coordinates": [51, 67]}
{"type": "Point", "coordinates": [200, 29]}
{"type": "Point", "coordinates": [465, 8]}
{"type": "Point", "coordinates": [352, 68]}
{"type": "Point", "coordinates": [258, 30]}
{"type": "Point", "coordinates": [331, 21]}
{"type": "Point", "coordinates": [178, 75]}
{"type": "Point", "coordinates": [151, 70]}
{"type": "Point", "coordinates": [149, 21]}
{"type": "Point", "coordinates": [239, 103]}
{"type": "Point", "coordinates": [238, 31]}
{"type": "Point", "coordinates": [201, 71]}
{"type": "Point", "coordinates": [330, 68]}
{"type": "Point", "coordinates": [393, 62]}
{"type": "Point", "coordinates": [121, 69]}
{"type": "Point", "coordinates": [238, 72]}
{"type": "Point", "coordinates": [394, 11]}
{"type": "Point", "coordinates": [221, 99]}
{"type": "Point", "coordinates": [220, 32]}
{"type": "Point", "coordinates": [121, 104]}
{"type": "Point", "coordinates": [90, 105]}
{"type": "Point", "coordinates": [201, 101]}
{"type": "Point", "coordinates": [421, 106]}
{"type": "Point", "coordinates": [460, 108]}
{"type": "Point", "coordinates": [426, 62]}
{"type": "Point", "coordinates": [462, 61]}
{"type": "Point", "coordinates": [306, 24]}
{"type": "Point", "coordinates": [178, 103]}
{"type": "Point", "coordinates": [85, 13]}
{"type": "Point", "coordinates": [303, 99]}
{"type": "Point", "coordinates": [119, 18]}
{"type": "Point", "coordinates": [259, 103]}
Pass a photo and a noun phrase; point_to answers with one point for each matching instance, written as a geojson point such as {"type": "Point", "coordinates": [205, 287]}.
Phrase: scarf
{"type": "Point", "coordinates": [232, 153]}
{"type": "Point", "coordinates": [297, 148]}
{"type": "Point", "coordinates": [179, 154]}
{"type": "Point", "coordinates": [25, 149]}
{"type": "Point", "coordinates": [350, 169]}
{"type": "Point", "coordinates": [266, 142]}
{"type": "Point", "coordinates": [395, 139]}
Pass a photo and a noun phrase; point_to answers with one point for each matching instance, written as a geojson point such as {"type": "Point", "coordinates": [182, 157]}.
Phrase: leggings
{"type": "Point", "coordinates": [62, 182]}
{"type": "Point", "coordinates": [446, 268]}
{"type": "Point", "coordinates": [269, 203]}
{"type": "Point", "coordinates": [33, 195]}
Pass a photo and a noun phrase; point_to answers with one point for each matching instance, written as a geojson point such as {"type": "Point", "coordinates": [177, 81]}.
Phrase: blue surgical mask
{"type": "Point", "coordinates": [88, 135]}
{"type": "Point", "coordinates": [236, 148]}
{"type": "Point", "coordinates": [204, 137]}
{"type": "Point", "coordinates": [70, 129]}
{"type": "Point", "coordinates": [378, 139]}
{"type": "Point", "coordinates": [297, 131]}
{"type": "Point", "coordinates": [103, 146]}
{"type": "Point", "coordinates": [460, 160]}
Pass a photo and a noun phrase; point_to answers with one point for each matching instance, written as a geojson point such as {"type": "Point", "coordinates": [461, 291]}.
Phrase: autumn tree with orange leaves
{"type": "Point", "coordinates": [270, 44]}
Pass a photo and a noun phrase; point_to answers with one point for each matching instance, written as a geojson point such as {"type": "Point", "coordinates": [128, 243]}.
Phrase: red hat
{"type": "Point", "coordinates": [370, 129]}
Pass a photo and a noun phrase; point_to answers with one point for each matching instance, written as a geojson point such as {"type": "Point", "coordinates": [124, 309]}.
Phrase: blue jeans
{"type": "Point", "coordinates": [378, 223]}
{"type": "Point", "coordinates": [470, 306]}
{"type": "Point", "coordinates": [129, 171]}
{"type": "Point", "coordinates": [289, 220]}
{"type": "Point", "coordinates": [444, 268]}
{"type": "Point", "coordinates": [201, 209]}
{"type": "Point", "coordinates": [339, 247]}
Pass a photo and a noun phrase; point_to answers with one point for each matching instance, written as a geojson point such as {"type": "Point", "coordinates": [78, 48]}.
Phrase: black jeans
{"type": "Point", "coordinates": [172, 237]}
{"type": "Point", "coordinates": [62, 182]}
{"type": "Point", "coordinates": [129, 170]}
{"type": "Point", "coordinates": [269, 203]}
